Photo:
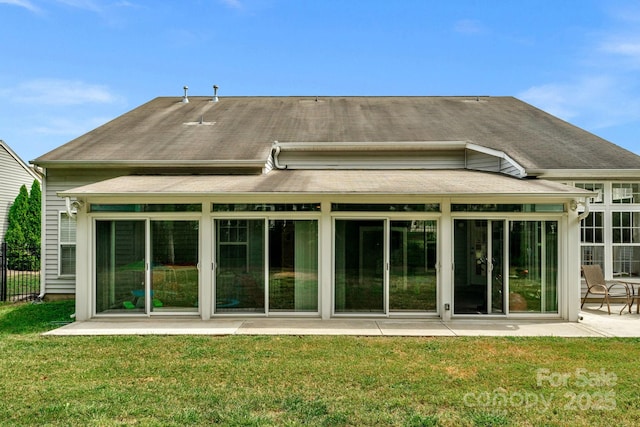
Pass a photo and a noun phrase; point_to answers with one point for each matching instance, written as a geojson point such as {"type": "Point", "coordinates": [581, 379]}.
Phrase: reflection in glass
{"type": "Point", "coordinates": [120, 266]}
{"type": "Point", "coordinates": [359, 261]}
{"type": "Point", "coordinates": [240, 266]}
{"type": "Point", "coordinates": [293, 265]}
{"type": "Point", "coordinates": [533, 266]}
{"type": "Point", "coordinates": [174, 266]}
{"type": "Point", "coordinates": [412, 275]}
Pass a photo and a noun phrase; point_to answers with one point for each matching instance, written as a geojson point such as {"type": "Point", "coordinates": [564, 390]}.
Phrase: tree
{"type": "Point", "coordinates": [16, 231]}
{"type": "Point", "coordinates": [34, 224]}
{"type": "Point", "coordinates": [23, 231]}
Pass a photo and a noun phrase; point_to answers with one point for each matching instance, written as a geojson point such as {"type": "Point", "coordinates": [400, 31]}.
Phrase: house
{"type": "Point", "coordinates": [14, 173]}
{"type": "Point", "coordinates": [336, 207]}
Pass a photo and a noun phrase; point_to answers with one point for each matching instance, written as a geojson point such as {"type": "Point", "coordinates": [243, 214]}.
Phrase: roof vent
{"type": "Point", "coordinates": [185, 100]}
{"type": "Point", "coordinates": [215, 93]}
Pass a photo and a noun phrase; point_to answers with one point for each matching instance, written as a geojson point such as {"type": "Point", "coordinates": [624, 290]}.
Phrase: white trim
{"type": "Point", "coordinates": [66, 243]}
{"type": "Point", "coordinates": [588, 174]}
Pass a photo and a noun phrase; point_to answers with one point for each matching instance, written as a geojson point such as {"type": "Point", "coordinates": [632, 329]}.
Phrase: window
{"type": "Point", "coordinates": [377, 207]}
{"type": "Point", "coordinates": [598, 188]}
{"type": "Point", "coordinates": [474, 207]}
{"type": "Point", "coordinates": [66, 245]}
{"type": "Point", "coordinates": [266, 207]}
{"type": "Point", "coordinates": [592, 239]}
{"type": "Point", "coordinates": [626, 244]}
{"type": "Point", "coordinates": [194, 207]}
{"type": "Point", "coordinates": [625, 192]}
{"type": "Point", "coordinates": [290, 250]}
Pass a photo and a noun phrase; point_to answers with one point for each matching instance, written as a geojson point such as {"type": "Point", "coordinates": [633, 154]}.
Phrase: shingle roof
{"type": "Point", "coordinates": [397, 182]}
{"type": "Point", "coordinates": [243, 129]}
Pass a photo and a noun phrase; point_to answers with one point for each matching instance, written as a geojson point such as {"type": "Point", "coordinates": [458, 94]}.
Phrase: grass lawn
{"type": "Point", "coordinates": [291, 380]}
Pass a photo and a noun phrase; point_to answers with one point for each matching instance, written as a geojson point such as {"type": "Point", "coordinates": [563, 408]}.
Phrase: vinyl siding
{"type": "Point", "coordinates": [13, 175]}
{"type": "Point", "coordinates": [57, 181]}
{"type": "Point", "coordinates": [372, 160]}
{"type": "Point", "coordinates": [482, 162]}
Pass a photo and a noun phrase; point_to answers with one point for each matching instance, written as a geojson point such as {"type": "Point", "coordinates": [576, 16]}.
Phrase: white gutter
{"type": "Point", "coordinates": [371, 146]}
{"type": "Point", "coordinates": [85, 164]}
{"type": "Point", "coordinates": [585, 173]}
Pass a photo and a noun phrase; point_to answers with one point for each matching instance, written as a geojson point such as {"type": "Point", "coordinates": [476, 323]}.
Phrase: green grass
{"type": "Point", "coordinates": [292, 380]}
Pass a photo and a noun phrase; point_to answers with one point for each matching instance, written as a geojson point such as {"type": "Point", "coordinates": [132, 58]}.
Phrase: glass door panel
{"type": "Point", "coordinates": [478, 266]}
{"type": "Point", "coordinates": [533, 266]}
{"type": "Point", "coordinates": [293, 265]}
{"type": "Point", "coordinates": [470, 269]}
{"type": "Point", "coordinates": [412, 274]}
{"type": "Point", "coordinates": [359, 266]}
{"type": "Point", "coordinates": [120, 266]}
{"type": "Point", "coordinates": [240, 260]}
{"type": "Point", "coordinates": [496, 267]}
{"type": "Point", "coordinates": [174, 266]}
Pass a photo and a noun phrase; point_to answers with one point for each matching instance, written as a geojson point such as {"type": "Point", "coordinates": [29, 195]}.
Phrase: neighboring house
{"type": "Point", "coordinates": [14, 173]}
{"type": "Point", "coordinates": [336, 207]}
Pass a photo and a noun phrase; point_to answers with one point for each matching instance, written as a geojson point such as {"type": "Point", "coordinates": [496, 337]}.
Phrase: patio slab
{"type": "Point", "coordinates": [163, 326]}
{"type": "Point", "coordinates": [593, 323]}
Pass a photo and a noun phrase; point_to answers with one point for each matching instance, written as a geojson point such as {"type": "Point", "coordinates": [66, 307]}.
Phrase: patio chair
{"type": "Point", "coordinates": [596, 285]}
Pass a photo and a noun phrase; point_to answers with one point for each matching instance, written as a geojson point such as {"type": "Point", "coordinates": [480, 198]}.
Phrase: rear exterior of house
{"type": "Point", "coordinates": [336, 207]}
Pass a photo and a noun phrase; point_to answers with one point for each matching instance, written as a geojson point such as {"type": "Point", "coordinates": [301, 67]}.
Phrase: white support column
{"type": "Point", "coordinates": [445, 256]}
{"type": "Point", "coordinates": [206, 263]}
{"type": "Point", "coordinates": [570, 286]}
{"type": "Point", "coordinates": [325, 271]}
{"type": "Point", "coordinates": [84, 266]}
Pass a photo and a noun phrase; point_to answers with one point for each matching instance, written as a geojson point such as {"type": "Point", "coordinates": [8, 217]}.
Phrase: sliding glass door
{"type": "Point", "coordinates": [505, 266]}
{"type": "Point", "coordinates": [288, 249]}
{"type": "Point", "coordinates": [293, 265]}
{"type": "Point", "coordinates": [174, 266]}
{"type": "Point", "coordinates": [359, 266]}
{"type": "Point", "coordinates": [412, 272]}
{"type": "Point", "coordinates": [478, 266]}
{"type": "Point", "coordinates": [384, 266]}
{"type": "Point", "coordinates": [123, 261]}
{"type": "Point", "coordinates": [120, 266]}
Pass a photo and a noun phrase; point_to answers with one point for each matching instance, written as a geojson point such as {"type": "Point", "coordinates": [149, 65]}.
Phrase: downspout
{"type": "Point", "coordinates": [70, 213]}
{"type": "Point", "coordinates": [43, 243]}
{"type": "Point", "coordinates": [584, 214]}
{"type": "Point", "coordinates": [276, 153]}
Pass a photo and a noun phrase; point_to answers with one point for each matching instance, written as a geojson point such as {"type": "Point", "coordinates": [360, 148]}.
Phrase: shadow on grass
{"type": "Point", "coordinates": [29, 318]}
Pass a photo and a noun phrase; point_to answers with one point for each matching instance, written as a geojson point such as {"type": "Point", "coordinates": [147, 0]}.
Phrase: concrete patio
{"type": "Point", "coordinates": [593, 323]}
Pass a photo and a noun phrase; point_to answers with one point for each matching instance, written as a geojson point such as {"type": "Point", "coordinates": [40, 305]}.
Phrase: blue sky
{"type": "Point", "coordinates": [68, 66]}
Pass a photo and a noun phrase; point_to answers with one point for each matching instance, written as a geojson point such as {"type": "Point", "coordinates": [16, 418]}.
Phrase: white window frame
{"type": "Point", "coordinates": [66, 243]}
{"type": "Point", "coordinates": [608, 209]}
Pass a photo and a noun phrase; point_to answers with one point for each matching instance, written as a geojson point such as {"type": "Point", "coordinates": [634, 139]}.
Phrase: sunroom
{"type": "Point", "coordinates": [328, 243]}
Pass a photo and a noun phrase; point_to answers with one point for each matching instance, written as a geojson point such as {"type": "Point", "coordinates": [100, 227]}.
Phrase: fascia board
{"type": "Point", "coordinates": [111, 164]}
{"type": "Point", "coordinates": [585, 173]}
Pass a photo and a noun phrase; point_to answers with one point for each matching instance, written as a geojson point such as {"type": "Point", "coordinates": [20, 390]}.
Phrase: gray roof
{"type": "Point", "coordinates": [243, 129]}
{"type": "Point", "coordinates": [398, 182]}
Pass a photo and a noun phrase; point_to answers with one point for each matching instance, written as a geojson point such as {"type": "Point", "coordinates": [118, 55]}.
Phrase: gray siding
{"type": "Point", "coordinates": [509, 169]}
{"type": "Point", "coordinates": [372, 160]}
{"type": "Point", "coordinates": [57, 181]}
{"type": "Point", "coordinates": [13, 175]}
{"type": "Point", "coordinates": [482, 162]}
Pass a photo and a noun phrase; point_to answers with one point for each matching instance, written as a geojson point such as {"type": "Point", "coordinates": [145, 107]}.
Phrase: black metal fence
{"type": "Point", "coordinates": [19, 273]}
